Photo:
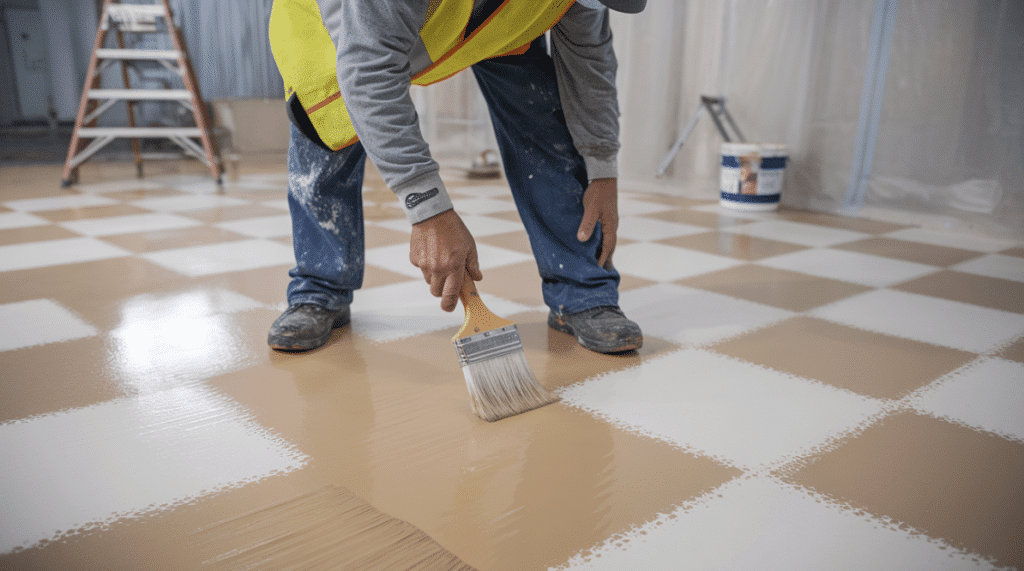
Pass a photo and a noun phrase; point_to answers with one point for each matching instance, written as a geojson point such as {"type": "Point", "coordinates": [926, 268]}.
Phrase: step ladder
{"type": "Point", "coordinates": [716, 107]}
{"type": "Point", "coordinates": [122, 19]}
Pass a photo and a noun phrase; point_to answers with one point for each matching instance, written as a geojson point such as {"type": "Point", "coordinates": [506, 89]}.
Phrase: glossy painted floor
{"type": "Point", "coordinates": [815, 392]}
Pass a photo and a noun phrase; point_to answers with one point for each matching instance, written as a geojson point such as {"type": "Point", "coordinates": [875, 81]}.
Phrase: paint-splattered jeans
{"type": "Point", "coordinates": [546, 174]}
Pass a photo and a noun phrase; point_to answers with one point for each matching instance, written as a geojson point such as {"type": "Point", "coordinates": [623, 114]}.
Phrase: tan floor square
{"type": "Point", "coordinates": [697, 218]}
{"type": "Point", "coordinates": [391, 422]}
{"type": "Point", "coordinates": [376, 211]}
{"type": "Point", "coordinates": [867, 363]}
{"type": "Point", "coordinates": [374, 277]}
{"type": "Point", "coordinates": [1014, 351]}
{"type": "Point", "coordinates": [376, 237]}
{"type": "Point", "coordinates": [259, 195]}
{"type": "Point", "coordinates": [840, 222]}
{"type": "Point", "coordinates": [510, 215]}
{"type": "Point", "coordinates": [669, 200]}
{"type": "Point", "coordinates": [910, 251]}
{"type": "Point", "coordinates": [90, 212]}
{"type": "Point", "coordinates": [266, 285]}
{"type": "Point", "coordinates": [32, 376]}
{"type": "Point", "coordinates": [1017, 252]}
{"type": "Point", "coordinates": [138, 194]}
{"type": "Point", "coordinates": [96, 289]}
{"type": "Point", "coordinates": [946, 480]}
{"type": "Point", "coordinates": [779, 288]}
{"type": "Point", "coordinates": [10, 236]}
{"type": "Point", "coordinates": [142, 242]}
{"type": "Point", "coordinates": [995, 293]}
{"type": "Point", "coordinates": [228, 213]}
{"type": "Point", "coordinates": [518, 282]}
{"type": "Point", "coordinates": [739, 246]}
{"type": "Point", "coordinates": [516, 241]}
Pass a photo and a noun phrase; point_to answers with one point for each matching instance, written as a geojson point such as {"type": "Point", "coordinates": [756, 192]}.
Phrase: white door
{"type": "Point", "coordinates": [31, 72]}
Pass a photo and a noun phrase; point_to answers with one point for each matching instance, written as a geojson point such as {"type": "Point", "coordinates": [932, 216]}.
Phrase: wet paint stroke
{"type": "Point", "coordinates": [82, 469]}
{"type": "Point", "coordinates": [329, 528]}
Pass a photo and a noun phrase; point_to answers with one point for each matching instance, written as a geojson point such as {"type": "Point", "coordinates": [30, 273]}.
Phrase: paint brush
{"type": "Point", "coordinates": [498, 377]}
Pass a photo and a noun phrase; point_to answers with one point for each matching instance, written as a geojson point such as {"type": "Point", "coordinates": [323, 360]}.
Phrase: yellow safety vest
{"type": "Point", "coordinates": [307, 59]}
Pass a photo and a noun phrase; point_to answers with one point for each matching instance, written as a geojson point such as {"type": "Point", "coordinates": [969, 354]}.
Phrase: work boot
{"type": "Point", "coordinates": [602, 329]}
{"type": "Point", "coordinates": [305, 326]}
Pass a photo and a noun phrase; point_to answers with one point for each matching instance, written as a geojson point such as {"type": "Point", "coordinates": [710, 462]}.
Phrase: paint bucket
{"type": "Point", "coordinates": [752, 175]}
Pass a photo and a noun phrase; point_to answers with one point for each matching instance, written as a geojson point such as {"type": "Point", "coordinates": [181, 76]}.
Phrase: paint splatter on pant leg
{"type": "Point", "coordinates": [547, 176]}
{"type": "Point", "coordinates": [326, 205]}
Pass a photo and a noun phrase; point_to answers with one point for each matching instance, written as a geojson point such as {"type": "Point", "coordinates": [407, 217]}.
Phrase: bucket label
{"type": "Point", "coordinates": [751, 178]}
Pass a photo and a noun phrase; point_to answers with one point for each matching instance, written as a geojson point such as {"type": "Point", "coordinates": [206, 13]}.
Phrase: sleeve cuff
{"type": "Point", "coordinates": [423, 197]}
{"type": "Point", "coordinates": [597, 168]}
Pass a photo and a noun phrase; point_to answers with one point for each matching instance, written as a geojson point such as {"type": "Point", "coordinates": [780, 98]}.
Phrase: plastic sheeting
{"type": "Point", "coordinates": [910, 110]}
{"type": "Point", "coordinates": [904, 109]}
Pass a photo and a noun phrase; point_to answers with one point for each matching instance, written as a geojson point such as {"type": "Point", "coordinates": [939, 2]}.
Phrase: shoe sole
{"type": "Point", "coordinates": [292, 345]}
{"type": "Point", "coordinates": [564, 327]}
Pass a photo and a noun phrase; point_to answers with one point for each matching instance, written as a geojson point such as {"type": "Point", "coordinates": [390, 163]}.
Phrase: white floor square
{"type": "Point", "coordinates": [995, 266]}
{"type": "Point", "coordinates": [963, 241]}
{"type": "Point", "coordinates": [124, 458]}
{"type": "Point", "coordinates": [11, 220]}
{"type": "Point", "coordinates": [113, 225]}
{"type": "Point", "coordinates": [760, 523]}
{"type": "Point", "coordinates": [405, 309]}
{"type": "Point", "coordinates": [188, 202]}
{"type": "Point", "coordinates": [650, 229]}
{"type": "Point", "coordinates": [852, 267]}
{"type": "Point", "coordinates": [694, 317]}
{"type": "Point", "coordinates": [222, 258]}
{"type": "Point", "coordinates": [59, 202]}
{"type": "Point", "coordinates": [733, 411]}
{"type": "Point", "coordinates": [928, 319]}
{"type": "Point", "coordinates": [666, 263]}
{"type": "Point", "coordinates": [56, 252]}
{"type": "Point", "coordinates": [39, 322]}
{"type": "Point", "coordinates": [797, 233]}
{"type": "Point", "coordinates": [986, 394]}
{"type": "Point", "coordinates": [262, 227]}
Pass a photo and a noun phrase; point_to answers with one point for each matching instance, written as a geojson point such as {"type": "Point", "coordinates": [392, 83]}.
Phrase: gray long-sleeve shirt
{"type": "Point", "coordinates": [379, 50]}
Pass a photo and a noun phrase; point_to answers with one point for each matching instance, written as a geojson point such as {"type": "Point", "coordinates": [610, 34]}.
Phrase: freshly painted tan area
{"type": "Point", "coordinates": [391, 422]}
{"type": "Point", "coordinates": [996, 293]}
{"type": "Point", "coordinates": [771, 286]}
{"type": "Point", "coordinates": [881, 366]}
{"type": "Point", "coordinates": [934, 476]}
{"type": "Point", "coordinates": [328, 528]}
{"type": "Point", "coordinates": [733, 245]}
{"type": "Point", "coordinates": [920, 253]}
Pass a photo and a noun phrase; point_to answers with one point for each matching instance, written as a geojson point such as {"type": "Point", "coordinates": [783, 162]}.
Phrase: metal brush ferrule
{"type": "Point", "coordinates": [488, 345]}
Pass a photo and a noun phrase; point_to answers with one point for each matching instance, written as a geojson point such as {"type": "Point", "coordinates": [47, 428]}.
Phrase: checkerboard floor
{"type": "Point", "coordinates": [815, 392]}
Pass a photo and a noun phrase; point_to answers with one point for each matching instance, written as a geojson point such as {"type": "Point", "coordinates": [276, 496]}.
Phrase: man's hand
{"type": "Point", "coordinates": [601, 204]}
{"type": "Point", "coordinates": [444, 250]}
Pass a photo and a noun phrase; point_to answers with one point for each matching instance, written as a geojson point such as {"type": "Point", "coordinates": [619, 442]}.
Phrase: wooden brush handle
{"type": "Point", "coordinates": [478, 317]}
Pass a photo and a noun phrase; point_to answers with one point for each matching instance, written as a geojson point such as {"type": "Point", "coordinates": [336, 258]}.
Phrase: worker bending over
{"type": "Point", "coordinates": [348, 66]}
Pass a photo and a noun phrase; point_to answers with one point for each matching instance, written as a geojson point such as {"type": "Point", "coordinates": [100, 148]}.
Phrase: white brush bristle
{"type": "Point", "coordinates": [504, 386]}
